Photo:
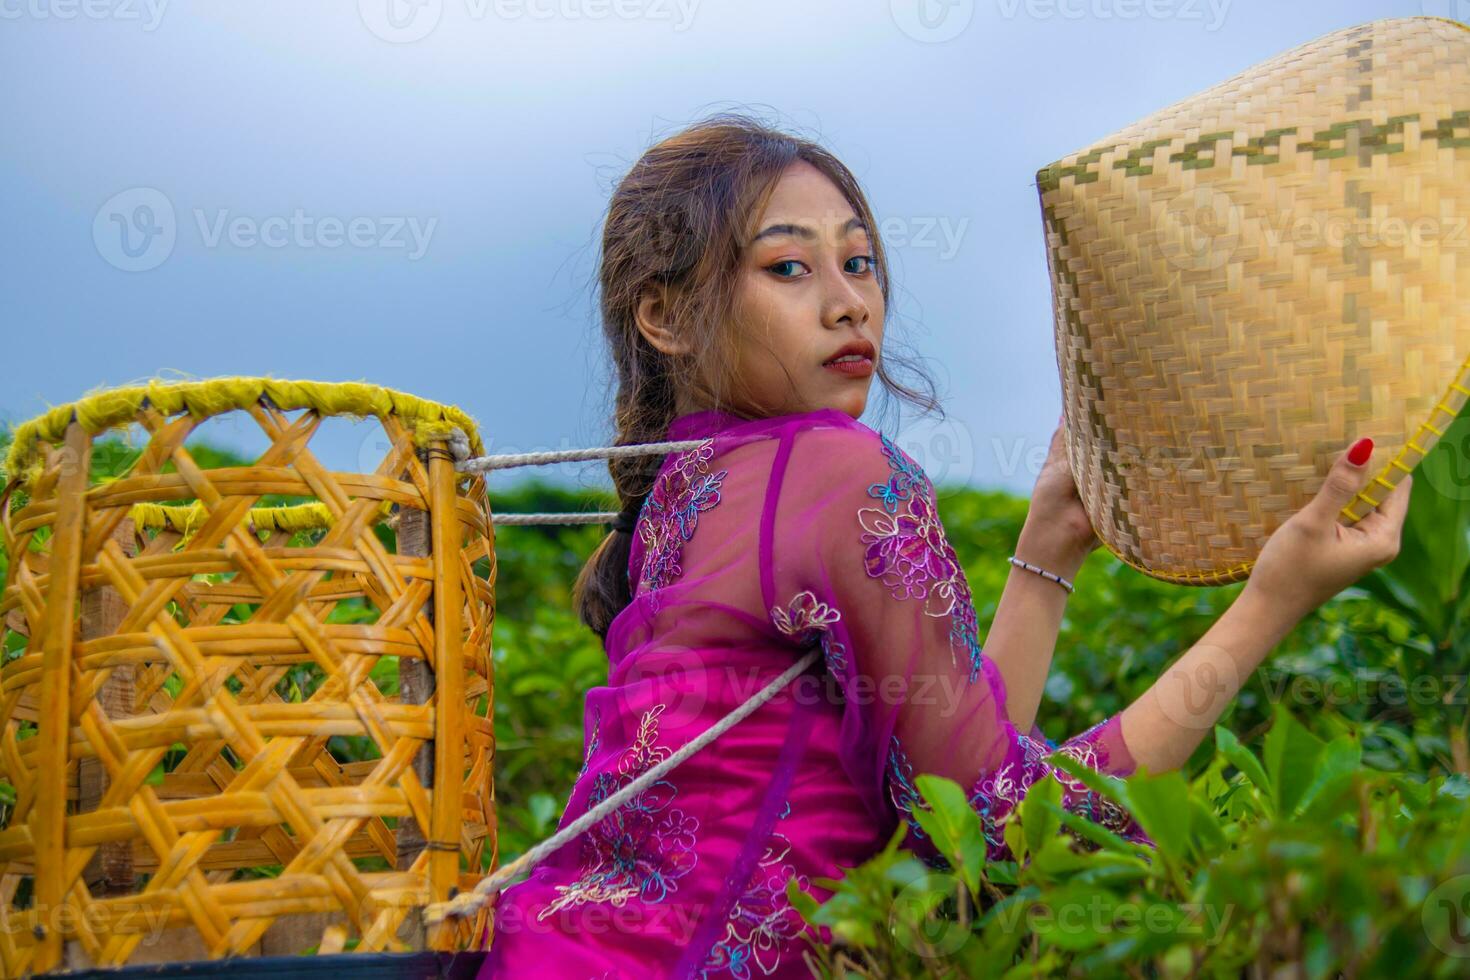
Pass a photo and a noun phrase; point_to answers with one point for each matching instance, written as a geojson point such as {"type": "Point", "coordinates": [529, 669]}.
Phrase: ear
{"type": "Point", "coordinates": [650, 313]}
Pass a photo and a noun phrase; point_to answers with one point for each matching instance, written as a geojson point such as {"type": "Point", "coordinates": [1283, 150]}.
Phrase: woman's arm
{"type": "Point", "coordinates": [1305, 562]}
{"type": "Point", "coordinates": [1169, 720]}
{"type": "Point", "coordinates": [1057, 536]}
{"type": "Point", "coordinates": [1023, 635]}
{"type": "Point", "coordinates": [1165, 725]}
{"type": "Point", "coordinates": [1308, 560]}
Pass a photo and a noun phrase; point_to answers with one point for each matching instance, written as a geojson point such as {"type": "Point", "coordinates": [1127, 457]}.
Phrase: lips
{"type": "Point", "coordinates": [861, 348]}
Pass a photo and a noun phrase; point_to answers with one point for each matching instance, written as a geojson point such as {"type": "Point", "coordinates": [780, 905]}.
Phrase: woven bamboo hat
{"type": "Point", "coordinates": [1249, 280]}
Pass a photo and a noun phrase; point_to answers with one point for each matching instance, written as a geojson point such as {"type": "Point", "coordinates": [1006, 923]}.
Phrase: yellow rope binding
{"type": "Point", "coordinates": [117, 407]}
{"type": "Point", "coordinates": [289, 517]}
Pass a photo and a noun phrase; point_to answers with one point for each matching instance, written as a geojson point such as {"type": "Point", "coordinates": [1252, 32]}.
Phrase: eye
{"type": "Point", "coordinates": [783, 262]}
{"type": "Point", "coordinates": [870, 260]}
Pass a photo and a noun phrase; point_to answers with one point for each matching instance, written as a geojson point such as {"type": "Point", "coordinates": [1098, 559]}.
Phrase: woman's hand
{"type": "Point", "coordinates": [1058, 534]}
{"type": "Point", "coordinates": [1311, 557]}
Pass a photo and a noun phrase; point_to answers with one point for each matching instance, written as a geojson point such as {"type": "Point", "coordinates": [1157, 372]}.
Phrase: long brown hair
{"type": "Point", "coordinates": [676, 223]}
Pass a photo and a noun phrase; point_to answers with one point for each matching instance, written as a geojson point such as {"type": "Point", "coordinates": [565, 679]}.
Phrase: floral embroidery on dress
{"type": "Point", "coordinates": [805, 613]}
{"type": "Point", "coordinates": [906, 475]}
{"type": "Point", "coordinates": [835, 655]}
{"type": "Point", "coordinates": [906, 799]}
{"type": "Point", "coordinates": [671, 512]}
{"type": "Point", "coordinates": [996, 794]}
{"type": "Point", "coordinates": [901, 786]}
{"type": "Point", "coordinates": [762, 921]}
{"type": "Point", "coordinates": [808, 619]}
{"type": "Point", "coordinates": [643, 847]}
{"type": "Point", "coordinates": [909, 552]}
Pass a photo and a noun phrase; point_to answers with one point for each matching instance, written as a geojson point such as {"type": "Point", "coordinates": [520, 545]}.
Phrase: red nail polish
{"type": "Point", "coordinates": [1360, 451]}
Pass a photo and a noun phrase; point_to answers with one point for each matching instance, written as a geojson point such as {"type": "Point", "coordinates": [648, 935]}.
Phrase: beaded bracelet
{"type": "Point", "coordinates": [1041, 571]}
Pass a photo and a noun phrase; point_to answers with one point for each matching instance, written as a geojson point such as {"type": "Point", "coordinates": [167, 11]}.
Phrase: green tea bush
{"type": "Point", "coordinates": [1302, 861]}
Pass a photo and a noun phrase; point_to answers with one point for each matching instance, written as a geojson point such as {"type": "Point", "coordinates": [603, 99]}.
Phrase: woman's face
{"type": "Point", "coordinates": [807, 288]}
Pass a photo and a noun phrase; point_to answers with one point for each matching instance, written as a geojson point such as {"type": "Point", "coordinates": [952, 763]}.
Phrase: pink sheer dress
{"type": "Point", "coordinates": [771, 538]}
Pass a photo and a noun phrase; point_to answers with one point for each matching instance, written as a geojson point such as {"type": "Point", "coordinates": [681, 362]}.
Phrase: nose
{"type": "Point", "coordinates": [844, 305]}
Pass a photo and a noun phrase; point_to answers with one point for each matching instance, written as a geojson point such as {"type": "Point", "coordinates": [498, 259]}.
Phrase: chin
{"type": "Point", "coordinates": [852, 405]}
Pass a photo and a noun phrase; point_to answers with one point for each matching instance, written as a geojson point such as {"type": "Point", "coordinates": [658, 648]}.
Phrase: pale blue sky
{"type": "Point", "coordinates": [467, 170]}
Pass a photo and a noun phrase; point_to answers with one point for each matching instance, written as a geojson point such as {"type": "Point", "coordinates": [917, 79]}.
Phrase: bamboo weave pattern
{"type": "Point", "coordinates": [1249, 280]}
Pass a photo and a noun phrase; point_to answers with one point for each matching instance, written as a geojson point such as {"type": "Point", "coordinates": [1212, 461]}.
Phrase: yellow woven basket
{"type": "Point", "coordinates": [1249, 280]}
{"type": "Point", "coordinates": [183, 668]}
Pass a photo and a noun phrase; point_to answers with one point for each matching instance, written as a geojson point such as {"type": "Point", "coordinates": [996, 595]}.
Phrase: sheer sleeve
{"type": "Point", "coordinates": [862, 566]}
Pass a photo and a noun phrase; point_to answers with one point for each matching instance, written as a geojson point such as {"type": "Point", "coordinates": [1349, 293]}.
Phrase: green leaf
{"type": "Point", "coordinates": [1108, 787]}
{"type": "Point", "coordinates": [1002, 930]}
{"type": "Point", "coordinates": [1160, 803]}
{"type": "Point", "coordinates": [1245, 760]}
{"type": "Point", "coordinates": [1204, 828]}
{"type": "Point", "coordinates": [1341, 759]}
{"type": "Point", "coordinates": [1291, 759]}
{"type": "Point", "coordinates": [953, 825]}
{"type": "Point", "coordinates": [1102, 836]}
{"type": "Point", "coordinates": [1015, 837]}
{"type": "Point", "coordinates": [1080, 917]}
{"type": "Point", "coordinates": [804, 902]}
{"type": "Point", "coordinates": [1038, 821]}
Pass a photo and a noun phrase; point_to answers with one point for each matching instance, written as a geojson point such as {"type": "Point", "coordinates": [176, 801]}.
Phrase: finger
{"type": "Point", "coordinates": [1388, 517]}
{"type": "Point", "coordinates": [1345, 480]}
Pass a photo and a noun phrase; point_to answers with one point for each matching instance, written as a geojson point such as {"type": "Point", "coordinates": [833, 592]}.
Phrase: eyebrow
{"type": "Point", "coordinates": [802, 231]}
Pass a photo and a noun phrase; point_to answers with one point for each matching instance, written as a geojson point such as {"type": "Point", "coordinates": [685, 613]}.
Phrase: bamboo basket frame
{"type": "Point", "coordinates": [129, 641]}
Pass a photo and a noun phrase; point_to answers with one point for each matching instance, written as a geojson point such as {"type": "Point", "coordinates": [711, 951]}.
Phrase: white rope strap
{"type": "Point", "coordinates": [482, 464]}
{"type": "Point", "coordinates": [469, 901]}
{"type": "Point", "coordinates": [459, 447]}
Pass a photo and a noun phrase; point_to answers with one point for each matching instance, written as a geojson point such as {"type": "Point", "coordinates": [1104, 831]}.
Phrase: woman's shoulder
{"type": "Point", "coordinates": [844, 438]}
{"type": "Point", "coordinates": [824, 446]}
{"type": "Point", "coordinates": [822, 427]}
{"type": "Point", "coordinates": [822, 431]}
{"type": "Point", "coordinates": [831, 449]}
